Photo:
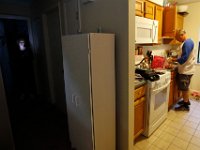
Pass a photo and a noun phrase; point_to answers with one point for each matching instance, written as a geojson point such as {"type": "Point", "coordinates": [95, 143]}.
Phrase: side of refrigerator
{"type": "Point", "coordinates": [89, 73]}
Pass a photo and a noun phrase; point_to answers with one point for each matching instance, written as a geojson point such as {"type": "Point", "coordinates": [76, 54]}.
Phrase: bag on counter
{"type": "Point", "coordinates": [158, 62]}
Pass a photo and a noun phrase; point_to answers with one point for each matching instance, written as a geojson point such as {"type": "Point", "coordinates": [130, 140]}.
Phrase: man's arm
{"type": "Point", "coordinates": [186, 50]}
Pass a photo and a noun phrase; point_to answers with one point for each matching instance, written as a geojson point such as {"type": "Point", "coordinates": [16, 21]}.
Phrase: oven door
{"type": "Point", "coordinates": [157, 108]}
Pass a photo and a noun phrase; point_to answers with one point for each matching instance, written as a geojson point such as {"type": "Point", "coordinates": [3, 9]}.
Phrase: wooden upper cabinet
{"type": "Point", "coordinates": [159, 17]}
{"type": "Point", "coordinates": [171, 21]}
{"type": "Point", "coordinates": [139, 8]}
{"type": "Point", "coordinates": [149, 9]}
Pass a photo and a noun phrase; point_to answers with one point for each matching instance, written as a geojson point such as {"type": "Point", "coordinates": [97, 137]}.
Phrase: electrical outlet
{"type": "Point", "coordinates": [75, 100]}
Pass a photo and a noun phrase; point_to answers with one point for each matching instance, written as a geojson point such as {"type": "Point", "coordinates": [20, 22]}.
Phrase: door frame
{"type": "Point", "coordinates": [30, 33]}
{"type": "Point", "coordinates": [47, 50]}
{"type": "Point", "coordinates": [31, 40]}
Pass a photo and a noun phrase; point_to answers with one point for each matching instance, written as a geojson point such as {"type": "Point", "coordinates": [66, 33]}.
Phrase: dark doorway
{"type": "Point", "coordinates": [36, 124]}
{"type": "Point", "coordinates": [15, 70]}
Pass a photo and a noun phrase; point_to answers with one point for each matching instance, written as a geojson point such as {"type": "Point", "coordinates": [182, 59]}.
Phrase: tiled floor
{"type": "Point", "coordinates": [180, 131]}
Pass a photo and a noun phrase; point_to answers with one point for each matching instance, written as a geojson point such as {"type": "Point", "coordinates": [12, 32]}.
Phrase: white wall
{"type": "Point", "coordinates": [192, 27]}
{"type": "Point", "coordinates": [117, 16]}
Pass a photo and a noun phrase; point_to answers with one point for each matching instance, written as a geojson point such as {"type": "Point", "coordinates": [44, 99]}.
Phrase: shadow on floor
{"type": "Point", "coordinates": [39, 126]}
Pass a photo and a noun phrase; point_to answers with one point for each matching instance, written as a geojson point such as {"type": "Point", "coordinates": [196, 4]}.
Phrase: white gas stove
{"type": "Point", "coordinates": [157, 102]}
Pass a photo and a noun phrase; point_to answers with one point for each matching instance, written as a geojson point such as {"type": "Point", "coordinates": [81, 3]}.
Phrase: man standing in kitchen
{"type": "Point", "coordinates": [185, 68]}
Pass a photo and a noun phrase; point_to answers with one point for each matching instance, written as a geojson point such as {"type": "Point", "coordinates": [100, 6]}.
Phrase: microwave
{"type": "Point", "coordinates": [146, 30]}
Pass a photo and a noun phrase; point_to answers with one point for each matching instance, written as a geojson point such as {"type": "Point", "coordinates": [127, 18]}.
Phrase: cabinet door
{"type": "Point", "coordinates": [149, 10]}
{"type": "Point", "coordinates": [159, 17]}
{"type": "Point", "coordinates": [169, 21]}
{"type": "Point", "coordinates": [139, 8]}
{"type": "Point", "coordinates": [177, 93]}
{"type": "Point", "coordinates": [139, 116]}
{"type": "Point", "coordinates": [179, 22]}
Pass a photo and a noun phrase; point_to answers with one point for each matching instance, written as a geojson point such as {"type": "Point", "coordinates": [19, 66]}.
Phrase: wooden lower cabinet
{"type": "Point", "coordinates": [139, 113]}
{"type": "Point", "coordinates": [171, 94]}
{"type": "Point", "coordinates": [139, 116]}
{"type": "Point", "coordinates": [177, 93]}
{"type": "Point", "coordinates": [174, 93]}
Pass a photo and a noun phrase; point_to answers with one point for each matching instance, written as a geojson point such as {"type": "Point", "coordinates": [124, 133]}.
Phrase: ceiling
{"type": "Point", "coordinates": [16, 2]}
{"type": "Point", "coordinates": [186, 1]}
{"type": "Point", "coordinates": [28, 2]}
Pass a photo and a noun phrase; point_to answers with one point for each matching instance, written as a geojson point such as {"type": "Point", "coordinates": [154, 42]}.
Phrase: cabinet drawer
{"type": "Point", "coordinates": [139, 92]}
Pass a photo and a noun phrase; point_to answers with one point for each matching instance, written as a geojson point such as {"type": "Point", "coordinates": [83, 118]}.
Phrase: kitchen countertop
{"type": "Point", "coordinates": [139, 83]}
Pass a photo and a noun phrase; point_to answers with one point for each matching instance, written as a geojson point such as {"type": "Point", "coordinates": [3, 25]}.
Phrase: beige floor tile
{"type": "Point", "coordinates": [183, 116]}
{"type": "Point", "coordinates": [152, 139]}
{"type": "Point", "coordinates": [171, 113]}
{"type": "Point", "coordinates": [187, 129]}
{"type": "Point", "coordinates": [195, 141]}
{"type": "Point", "coordinates": [198, 127]}
{"type": "Point", "coordinates": [172, 131]}
{"type": "Point", "coordinates": [161, 144]}
{"type": "Point", "coordinates": [194, 119]}
{"type": "Point", "coordinates": [163, 127]}
{"type": "Point", "coordinates": [167, 122]}
{"type": "Point", "coordinates": [136, 148]}
{"type": "Point", "coordinates": [180, 143]}
{"type": "Point", "coordinates": [175, 125]}
{"type": "Point", "coordinates": [179, 120]}
{"type": "Point", "coordinates": [153, 147]}
{"type": "Point", "coordinates": [184, 136]}
{"type": "Point", "coordinates": [180, 131]}
{"type": "Point", "coordinates": [191, 124]}
{"type": "Point", "coordinates": [142, 144]}
{"type": "Point", "coordinates": [193, 147]}
{"type": "Point", "coordinates": [173, 147]}
{"type": "Point", "coordinates": [197, 133]}
{"type": "Point", "coordinates": [196, 114]}
{"type": "Point", "coordinates": [158, 132]}
{"type": "Point", "coordinates": [171, 117]}
{"type": "Point", "coordinates": [166, 137]}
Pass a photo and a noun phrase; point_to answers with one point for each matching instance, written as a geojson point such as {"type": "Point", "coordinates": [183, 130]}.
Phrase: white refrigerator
{"type": "Point", "coordinates": [89, 73]}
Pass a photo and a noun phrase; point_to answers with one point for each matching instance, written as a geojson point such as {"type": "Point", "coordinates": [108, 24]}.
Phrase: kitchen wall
{"type": "Point", "coordinates": [117, 16]}
{"type": "Point", "coordinates": [112, 16]}
{"type": "Point", "coordinates": [192, 27]}
{"type": "Point", "coordinates": [17, 10]}
{"type": "Point", "coordinates": [159, 50]}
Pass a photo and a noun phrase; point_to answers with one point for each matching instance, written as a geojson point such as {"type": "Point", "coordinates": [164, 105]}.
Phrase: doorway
{"type": "Point", "coordinates": [36, 124]}
{"type": "Point", "coordinates": [16, 70]}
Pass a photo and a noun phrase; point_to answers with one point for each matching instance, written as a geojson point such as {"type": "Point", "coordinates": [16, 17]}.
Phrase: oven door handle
{"type": "Point", "coordinates": [161, 88]}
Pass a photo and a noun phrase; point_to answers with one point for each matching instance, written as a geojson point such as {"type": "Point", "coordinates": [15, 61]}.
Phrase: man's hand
{"type": "Point", "coordinates": [174, 59]}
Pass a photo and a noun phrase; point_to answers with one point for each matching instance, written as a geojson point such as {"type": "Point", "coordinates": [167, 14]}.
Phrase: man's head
{"type": "Point", "coordinates": [180, 35]}
{"type": "Point", "coordinates": [21, 43]}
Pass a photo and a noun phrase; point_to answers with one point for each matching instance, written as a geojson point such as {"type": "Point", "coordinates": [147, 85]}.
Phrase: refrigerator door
{"type": "Point", "coordinates": [103, 90]}
{"type": "Point", "coordinates": [77, 88]}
